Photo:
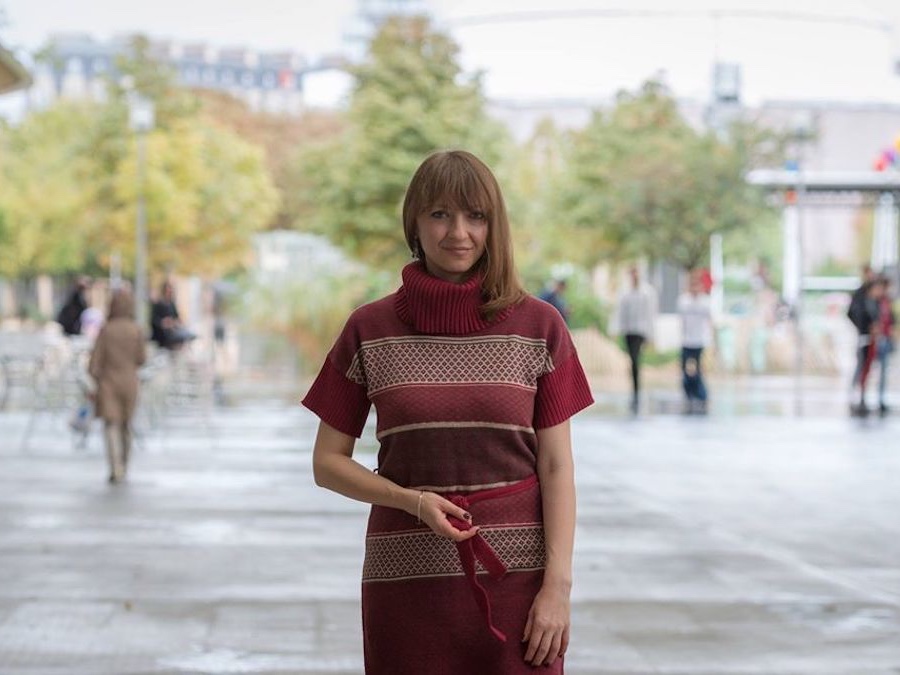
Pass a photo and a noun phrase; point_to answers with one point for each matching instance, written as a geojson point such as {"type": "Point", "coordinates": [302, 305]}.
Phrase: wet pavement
{"type": "Point", "coordinates": [733, 544]}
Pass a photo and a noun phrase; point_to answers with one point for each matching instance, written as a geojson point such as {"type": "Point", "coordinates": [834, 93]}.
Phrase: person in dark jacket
{"type": "Point", "coordinates": [167, 330]}
{"type": "Point", "coordinates": [857, 314]}
{"type": "Point", "coordinates": [864, 316]}
{"type": "Point", "coordinates": [69, 315]}
{"type": "Point", "coordinates": [554, 293]}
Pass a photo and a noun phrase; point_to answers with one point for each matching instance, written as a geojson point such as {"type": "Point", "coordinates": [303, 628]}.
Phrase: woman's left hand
{"type": "Point", "coordinates": [547, 628]}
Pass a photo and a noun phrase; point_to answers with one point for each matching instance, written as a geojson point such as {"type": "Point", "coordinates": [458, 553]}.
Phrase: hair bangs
{"type": "Point", "coordinates": [459, 184]}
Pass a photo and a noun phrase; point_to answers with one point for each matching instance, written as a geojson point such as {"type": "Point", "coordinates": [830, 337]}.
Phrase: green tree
{"type": "Point", "coordinates": [282, 137]}
{"type": "Point", "coordinates": [44, 166]}
{"type": "Point", "coordinates": [207, 191]}
{"type": "Point", "coordinates": [69, 184]}
{"type": "Point", "coordinates": [410, 98]}
{"type": "Point", "coordinates": [641, 181]}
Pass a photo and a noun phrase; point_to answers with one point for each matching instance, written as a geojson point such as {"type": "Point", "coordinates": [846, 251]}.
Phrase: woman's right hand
{"type": "Point", "coordinates": [432, 509]}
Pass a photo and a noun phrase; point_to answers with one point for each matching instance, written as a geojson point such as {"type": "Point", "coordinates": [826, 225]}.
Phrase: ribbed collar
{"type": "Point", "coordinates": [438, 307]}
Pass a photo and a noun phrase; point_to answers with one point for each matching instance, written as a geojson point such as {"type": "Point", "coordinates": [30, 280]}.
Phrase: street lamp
{"type": "Point", "coordinates": [141, 116]}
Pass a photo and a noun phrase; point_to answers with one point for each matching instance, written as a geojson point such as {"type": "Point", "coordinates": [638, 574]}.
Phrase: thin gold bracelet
{"type": "Point", "coordinates": [419, 507]}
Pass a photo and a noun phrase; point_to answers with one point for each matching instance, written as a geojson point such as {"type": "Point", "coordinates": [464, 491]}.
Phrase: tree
{"type": "Point", "coordinates": [44, 166]}
{"type": "Point", "coordinates": [410, 99]}
{"type": "Point", "coordinates": [69, 185]}
{"type": "Point", "coordinates": [207, 191]}
{"type": "Point", "coordinates": [281, 137]}
{"type": "Point", "coordinates": [642, 182]}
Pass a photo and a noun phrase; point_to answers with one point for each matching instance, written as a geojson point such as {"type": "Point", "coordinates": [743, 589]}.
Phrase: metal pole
{"type": "Point", "coordinates": [798, 303]}
{"type": "Point", "coordinates": [115, 269]}
{"type": "Point", "coordinates": [140, 251]}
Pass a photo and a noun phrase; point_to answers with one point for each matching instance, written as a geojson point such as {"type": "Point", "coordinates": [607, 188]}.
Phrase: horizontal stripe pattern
{"type": "Point", "coordinates": [453, 425]}
{"type": "Point", "coordinates": [422, 554]}
{"type": "Point", "coordinates": [456, 489]}
{"type": "Point", "coordinates": [424, 359]}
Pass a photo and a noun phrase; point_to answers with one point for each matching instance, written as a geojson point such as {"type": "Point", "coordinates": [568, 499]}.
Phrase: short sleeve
{"type": "Point", "coordinates": [563, 389]}
{"type": "Point", "coordinates": [339, 395]}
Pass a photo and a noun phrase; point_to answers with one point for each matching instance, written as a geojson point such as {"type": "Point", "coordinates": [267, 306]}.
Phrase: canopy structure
{"type": "Point", "coordinates": [827, 181]}
{"type": "Point", "coordinates": [883, 184]}
{"type": "Point", "coordinates": [12, 73]}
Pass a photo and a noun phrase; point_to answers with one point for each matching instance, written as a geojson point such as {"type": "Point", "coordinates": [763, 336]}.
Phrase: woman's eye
{"type": "Point", "coordinates": [477, 215]}
{"type": "Point", "coordinates": [438, 214]}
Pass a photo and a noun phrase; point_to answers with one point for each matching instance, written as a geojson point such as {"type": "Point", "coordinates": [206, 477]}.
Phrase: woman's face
{"type": "Point", "coordinates": [452, 239]}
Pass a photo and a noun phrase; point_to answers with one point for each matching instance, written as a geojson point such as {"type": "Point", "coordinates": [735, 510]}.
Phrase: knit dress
{"type": "Point", "coordinates": [458, 401]}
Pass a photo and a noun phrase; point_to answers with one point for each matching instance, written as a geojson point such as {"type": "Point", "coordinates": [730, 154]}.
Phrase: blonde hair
{"type": "Point", "coordinates": [459, 178]}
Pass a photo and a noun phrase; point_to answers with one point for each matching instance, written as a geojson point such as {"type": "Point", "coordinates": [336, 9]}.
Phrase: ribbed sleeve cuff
{"type": "Point", "coordinates": [561, 394]}
{"type": "Point", "coordinates": [337, 401]}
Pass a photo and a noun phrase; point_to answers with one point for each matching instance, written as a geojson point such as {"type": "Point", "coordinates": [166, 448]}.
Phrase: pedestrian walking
{"type": "Point", "coordinates": [885, 340]}
{"type": "Point", "coordinates": [468, 562]}
{"type": "Point", "coordinates": [118, 353]}
{"type": "Point", "coordinates": [857, 312]}
{"type": "Point", "coordinates": [696, 329]}
{"type": "Point", "coordinates": [635, 319]}
{"type": "Point", "coordinates": [864, 310]}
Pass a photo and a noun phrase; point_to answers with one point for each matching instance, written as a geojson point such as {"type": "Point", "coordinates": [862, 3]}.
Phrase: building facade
{"type": "Point", "coordinates": [78, 66]}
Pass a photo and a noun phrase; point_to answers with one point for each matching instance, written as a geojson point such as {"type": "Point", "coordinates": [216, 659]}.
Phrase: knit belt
{"type": "Point", "coordinates": [477, 548]}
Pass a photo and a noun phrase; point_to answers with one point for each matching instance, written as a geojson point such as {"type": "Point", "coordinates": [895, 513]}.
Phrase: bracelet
{"type": "Point", "coordinates": [419, 508]}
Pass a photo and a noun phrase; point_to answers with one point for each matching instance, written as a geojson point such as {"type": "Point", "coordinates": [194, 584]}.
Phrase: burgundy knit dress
{"type": "Point", "coordinates": [458, 400]}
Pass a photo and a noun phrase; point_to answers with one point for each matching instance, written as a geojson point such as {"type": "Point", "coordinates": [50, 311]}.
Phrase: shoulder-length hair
{"type": "Point", "coordinates": [459, 178]}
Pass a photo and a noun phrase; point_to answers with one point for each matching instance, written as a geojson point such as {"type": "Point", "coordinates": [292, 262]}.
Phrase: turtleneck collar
{"type": "Point", "coordinates": [432, 305]}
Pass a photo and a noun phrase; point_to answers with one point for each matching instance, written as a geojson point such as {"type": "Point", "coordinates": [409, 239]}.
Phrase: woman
{"type": "Point", "coordinates": [469, 547]}
{"type": "Point", "coordinates": [117, 355]}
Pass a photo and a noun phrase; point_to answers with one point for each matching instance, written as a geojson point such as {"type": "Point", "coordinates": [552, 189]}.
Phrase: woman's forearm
{"type": "Point", "coordinates": [556, 472]}
{"type": "Point", "coordinates": [348, 477]}
{"type": "Point", "coordinates": [558, 498]}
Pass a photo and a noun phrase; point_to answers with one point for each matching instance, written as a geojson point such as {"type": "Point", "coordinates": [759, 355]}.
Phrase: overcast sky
{"type": "Point", "coordinates": [589, 57]}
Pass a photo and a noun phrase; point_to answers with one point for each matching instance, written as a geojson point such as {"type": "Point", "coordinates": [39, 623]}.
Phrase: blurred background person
{"type": "Point", "coordinates": [860, 318]}
{"type": "Point", "coordinates": [884, 341]}
{"type": "Point", "coordinates": [167, 330]}
{"type": "Point", "coordinates": [696, 328]}
{"type": "Point", "coordinates": [555, 293]}
{"type": "Point", "coordinates": [118, 353]}
{"type": "Point", "coordinates": [635, 319]}
{"type": "Point", "coordinates": [69, 315]}
{"type": "Point", "coordinates": [864, 312]}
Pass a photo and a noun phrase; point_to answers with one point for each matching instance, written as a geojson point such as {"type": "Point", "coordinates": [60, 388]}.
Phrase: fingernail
{"type": "Point", "coordinates": [467, 516]}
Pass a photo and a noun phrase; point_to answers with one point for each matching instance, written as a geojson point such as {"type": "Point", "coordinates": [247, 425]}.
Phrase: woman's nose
{"type": "Point", "coordinates": [458, 225]}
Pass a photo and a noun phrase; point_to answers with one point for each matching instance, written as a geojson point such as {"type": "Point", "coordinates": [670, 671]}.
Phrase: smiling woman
{"type": "Point", "coordinates": [451, 240]}
{"type": "Point", "coordinates": [454, 213]}
{"type": "Point", "coordinates": [468, 563]}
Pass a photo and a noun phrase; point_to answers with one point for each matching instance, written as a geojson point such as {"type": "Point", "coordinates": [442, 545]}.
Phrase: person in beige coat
{"type": "Point", "coordinates": [118, 353]}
